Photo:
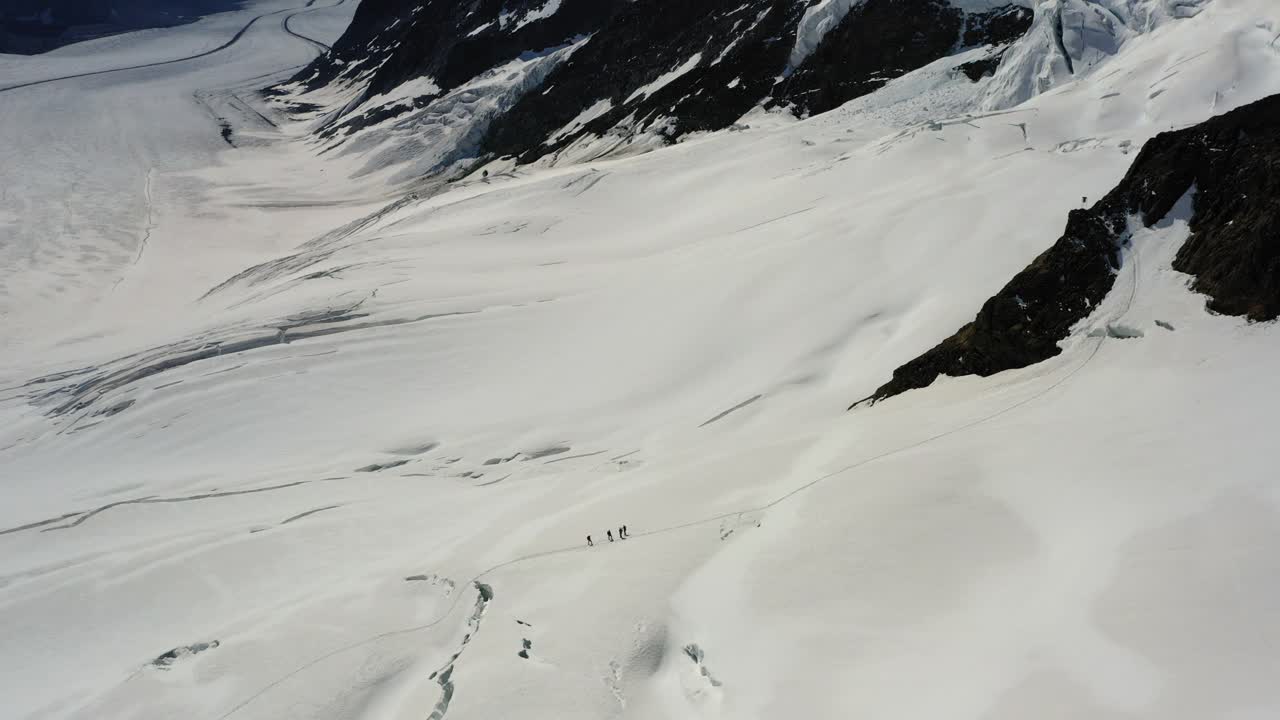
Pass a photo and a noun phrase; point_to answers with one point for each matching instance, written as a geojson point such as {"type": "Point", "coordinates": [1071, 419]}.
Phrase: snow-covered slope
{"type": "Point", "coordinates": [319, 449]}
{"type": "Point", "coordinates": [88, 144]}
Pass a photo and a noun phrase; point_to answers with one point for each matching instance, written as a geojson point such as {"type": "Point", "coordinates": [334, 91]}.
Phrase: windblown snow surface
{"type": "Point", "coordinates": [280, 443]}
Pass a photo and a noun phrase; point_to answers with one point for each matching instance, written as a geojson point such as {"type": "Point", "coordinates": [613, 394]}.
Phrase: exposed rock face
{"type": "Point", "coordinates": [742, 50]}
{"type": "Point", "coordinates": [702, 47]}
{"type": "Point", "coordinates": [872, 45]}
{"type": "Point", "coordinates": [1233, 250]}
{"type": "Point", "coordinates": [1000, 26]}
{"type": "Point", "coordinates": [651, 69]}
{"type": "Point", "coordinates": [450, 41]}
{"type": "Point", "coordinates": [446, 41]}
{"type": "Point", "coordinates": [876, 43]}
{"type": "Point", "coordinates": [975, 70]}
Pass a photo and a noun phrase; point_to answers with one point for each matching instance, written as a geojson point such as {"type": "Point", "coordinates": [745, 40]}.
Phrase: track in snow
{"type": "Point", "coordinates": [284, 25]}
{"type": "Point", "coordinates": [82, 516]}
{"type": "Point", "coordinates": [234, 39]}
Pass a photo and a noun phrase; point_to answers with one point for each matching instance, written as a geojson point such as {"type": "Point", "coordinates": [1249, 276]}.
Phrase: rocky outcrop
{"type": "Point", "coordinates": [651, 70]}
{"type": "Point", "coordinates": [452, 42]}
{"type": "Point", "coordinates": [668, 66]}
{"type": "Point", "coordinates": [448, 42]}
{"type": "Point", "coordinates": [873, 45]}
{"type": "Point", "coordinates": [1233, 250]}
{"type": "Point", "coordinates": [999, 27]}
{"type": "Point", "coordinates": [741, 50]}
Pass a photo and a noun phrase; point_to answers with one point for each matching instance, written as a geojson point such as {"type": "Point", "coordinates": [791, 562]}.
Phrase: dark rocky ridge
{"type": "Point", "coordinates": [1000, 26]}
{"type": "Point", "coordinates": [975, 70]}
{"type": "Point", "coordinates": [750, 43]}
{"type": "Point", "coordinates": [646, 40]}
{"type": "Point", "coordinates": [872, 45]}
{"type": "Point", "coordinates": [1234, 247]}
{"type": "Point", "coordinates": [1233, 250]}
{"type": "Point", "coordinates": [450, 41]}
{"type": "Point", "coordinates": [742, 48]}
{"type": "Point", "coordinates": [440, 39]}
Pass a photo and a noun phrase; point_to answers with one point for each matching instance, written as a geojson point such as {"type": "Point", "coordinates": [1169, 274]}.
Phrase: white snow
{"type": "Point", "coordinates": [664, 79]}
{"type": "Point", "coordinates": [75, 169]}
{"type": "Point", "coordinates": [667, 341]}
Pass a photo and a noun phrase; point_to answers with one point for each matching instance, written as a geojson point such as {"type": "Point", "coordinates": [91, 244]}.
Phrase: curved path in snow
{"type": "Point", "coordinates": [234, 39]}
{"type": "Point", "coordinates": [285, 26]}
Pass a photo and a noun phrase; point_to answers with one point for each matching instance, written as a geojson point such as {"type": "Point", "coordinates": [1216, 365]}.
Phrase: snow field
{"type": "Point", "coordinates": [479, 378]}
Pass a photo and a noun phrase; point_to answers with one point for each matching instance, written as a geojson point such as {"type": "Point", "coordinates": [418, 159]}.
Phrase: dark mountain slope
{"type": "Point", "coordinates": [727, 39]}
{"type": "Point", "coordinates": [656, 68]}
{"type": "Point", "coordinates": [1233, 250]}
{"type": "Point", "coordinates": [876, 43]}
{"type": "Point", "coordinates": [742, 51]}
{"type": "Point", "coordinates": [450, 41]}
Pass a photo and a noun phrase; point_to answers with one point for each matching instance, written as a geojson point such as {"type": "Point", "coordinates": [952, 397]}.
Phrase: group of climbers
{"type": "Point", "coordinates": [622, 535]}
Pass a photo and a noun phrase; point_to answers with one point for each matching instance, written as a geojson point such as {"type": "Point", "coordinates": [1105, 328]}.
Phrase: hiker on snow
{"type": "Point", "coordinates": [610, 534]}
{"type": "Point", "coordinates": [589, 543]}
